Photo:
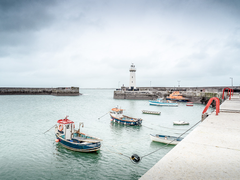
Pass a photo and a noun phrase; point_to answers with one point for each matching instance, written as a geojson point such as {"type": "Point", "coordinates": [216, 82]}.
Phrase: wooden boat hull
{"type": "Point", "coordinates": [133, 122]}
{"type": "Point", "coordinates": [80, 147]}
{"type": "Point", "coordinates": [180, 123]}
{"type": "Point", "coordinates": [165, 139]}
{"type": "Point", "coordinates": [151, 112]}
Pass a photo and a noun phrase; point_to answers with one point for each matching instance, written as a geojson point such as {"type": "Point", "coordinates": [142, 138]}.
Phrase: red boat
{"type": "Point", "coordinates": [189, 104]}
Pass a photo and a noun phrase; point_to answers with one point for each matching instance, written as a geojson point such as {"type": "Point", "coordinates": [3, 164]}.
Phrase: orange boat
{"type": "Point", "coordinates": [176, 96]}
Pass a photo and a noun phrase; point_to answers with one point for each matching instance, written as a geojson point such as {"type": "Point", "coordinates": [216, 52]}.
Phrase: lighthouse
{"type": "Point", "coordinates": [132, 82]}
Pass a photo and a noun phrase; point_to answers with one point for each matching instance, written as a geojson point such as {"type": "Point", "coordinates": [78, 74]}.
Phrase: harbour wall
{"type": "Point", "coordinates": [194, 94]}
{"type": "Point", "coordinates": [59, 91]}
{"type": "Point", "coordinates": [209, 151]}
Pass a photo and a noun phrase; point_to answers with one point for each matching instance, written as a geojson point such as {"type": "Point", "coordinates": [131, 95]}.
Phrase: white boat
{"type": "Point", "coordinates": [180, 123]}
{"type": "Point", "coordinates": [165, 139]}
{"type": "Point", "coordinates": [151, 112]}
{"type": "Point", "coordinates": [161, 102]}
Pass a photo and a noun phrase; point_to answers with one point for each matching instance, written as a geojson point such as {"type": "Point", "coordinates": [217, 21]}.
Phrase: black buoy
{"type": "Point", "coordinates": [135, 158]}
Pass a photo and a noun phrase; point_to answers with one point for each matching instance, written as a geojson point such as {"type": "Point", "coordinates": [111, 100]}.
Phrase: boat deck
{"type": "Point", "coordinates": [210, 151]}
{"type": "Point", "coordinates": [86, 139]}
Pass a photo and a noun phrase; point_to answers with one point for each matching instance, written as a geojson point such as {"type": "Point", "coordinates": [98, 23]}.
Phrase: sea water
{"type": "Point", "coordinates": [26, 152]}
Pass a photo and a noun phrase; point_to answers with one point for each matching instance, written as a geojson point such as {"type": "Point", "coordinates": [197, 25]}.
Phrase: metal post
{"type": "Point", "coordinates": [232, 81]}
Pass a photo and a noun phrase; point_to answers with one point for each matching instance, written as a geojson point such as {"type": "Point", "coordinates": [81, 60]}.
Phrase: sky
{"type": "Point", "coordinates": [92, 43]}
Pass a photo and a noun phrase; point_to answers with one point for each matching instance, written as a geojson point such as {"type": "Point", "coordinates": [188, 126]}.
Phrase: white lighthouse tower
{"type": "Point", "coordinates": [132, 82]}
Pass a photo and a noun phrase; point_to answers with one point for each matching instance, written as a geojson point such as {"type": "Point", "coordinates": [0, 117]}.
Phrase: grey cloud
{"type": "Point", "coordinates": [94, 40]}
{"type": "Point", "coordinates": [25, 15]}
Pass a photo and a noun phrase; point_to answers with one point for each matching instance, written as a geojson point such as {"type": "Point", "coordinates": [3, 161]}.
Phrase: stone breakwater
{"type": "Point", "coordinates": [194, 94]}
{"type": "Point", "coordinates": [59, 91]}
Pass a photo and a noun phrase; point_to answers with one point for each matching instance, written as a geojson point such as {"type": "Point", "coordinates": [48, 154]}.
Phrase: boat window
{"type": "Point", "coordinates": [67, 126]}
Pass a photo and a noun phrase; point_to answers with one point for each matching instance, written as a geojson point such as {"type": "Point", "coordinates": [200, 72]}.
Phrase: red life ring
{"type": "Point", "coordinates": [60, 127]}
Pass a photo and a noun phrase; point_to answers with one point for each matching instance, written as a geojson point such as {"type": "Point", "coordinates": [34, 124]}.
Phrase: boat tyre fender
{"type": "Point", "coordinates": [135, 158]}
{"type": "Point", "coordinates": [60, 127]}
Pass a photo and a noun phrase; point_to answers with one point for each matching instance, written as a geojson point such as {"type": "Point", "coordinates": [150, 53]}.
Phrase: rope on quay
{"type": "Point", "coordinates": [229, 110]}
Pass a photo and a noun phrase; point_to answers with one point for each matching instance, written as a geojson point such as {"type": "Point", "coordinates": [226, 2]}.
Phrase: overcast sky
{"type": "Point", "coordinates": [92, 43]}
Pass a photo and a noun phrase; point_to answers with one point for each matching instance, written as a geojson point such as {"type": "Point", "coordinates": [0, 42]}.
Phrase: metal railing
{"type": "Point", "coordinates": [209, 103]}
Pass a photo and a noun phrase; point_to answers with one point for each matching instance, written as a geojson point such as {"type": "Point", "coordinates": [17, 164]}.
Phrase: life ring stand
{"type": "Point", "coordinates": [60, 127]}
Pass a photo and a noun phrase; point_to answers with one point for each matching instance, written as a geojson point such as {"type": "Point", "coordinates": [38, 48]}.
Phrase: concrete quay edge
{"type": "Point", "coordinates": [210, 151]}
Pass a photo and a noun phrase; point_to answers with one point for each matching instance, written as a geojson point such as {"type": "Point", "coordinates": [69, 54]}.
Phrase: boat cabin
{"type": "Point", "coordinates": [66, 127]}
{"type": "Point", "coordinates": [117, 112]}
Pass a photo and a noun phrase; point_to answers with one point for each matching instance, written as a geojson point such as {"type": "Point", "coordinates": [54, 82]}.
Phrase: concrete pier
{"type": "Point", "coordinates": [210, 151]}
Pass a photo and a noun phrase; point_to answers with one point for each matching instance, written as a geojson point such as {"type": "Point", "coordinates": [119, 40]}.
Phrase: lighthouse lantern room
{"type": "Point", "coordinates": [132, 82]}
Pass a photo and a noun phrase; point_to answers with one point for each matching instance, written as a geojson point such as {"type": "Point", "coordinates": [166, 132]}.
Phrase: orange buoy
{"type": "Point", "coordinates": [60, 127]}
{"type": "Point", "coordinates": [57, 140]}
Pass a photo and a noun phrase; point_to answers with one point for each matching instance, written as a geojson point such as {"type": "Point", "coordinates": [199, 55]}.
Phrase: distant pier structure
{"type": "Point", "coordinates": [59, 91]}
{"type": "Point", "coordinates": [194, 94]}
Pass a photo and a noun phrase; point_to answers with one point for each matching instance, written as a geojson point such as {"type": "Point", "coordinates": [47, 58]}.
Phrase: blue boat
{"type": "Point", "coordinates": [73, 139]}
{"type": "Point", "coordinates": [161, 102]}
{"type": "Point", "coordinates": [118, 117]}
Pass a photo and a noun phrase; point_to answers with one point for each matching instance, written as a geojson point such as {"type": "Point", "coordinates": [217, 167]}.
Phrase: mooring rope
{"type": "Point", "coordinates": [116, 152]}
{"type": "Point", "coordinates": [161, 127]}
{"type": "Point", "coordinates": [136, 159]}
{"type": "Point", "coordinates": [172, 140]}
{"type": "Point", "coordinates": [50, 128]}
{"type": "Point", "coordinates": [103, 115]}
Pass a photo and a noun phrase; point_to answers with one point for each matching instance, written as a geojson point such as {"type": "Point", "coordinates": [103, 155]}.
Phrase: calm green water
{"type": "Point", "coordinates": [27, 153]}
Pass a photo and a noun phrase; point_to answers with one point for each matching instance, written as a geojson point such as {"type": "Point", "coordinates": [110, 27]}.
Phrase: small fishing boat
{"type": "Point", "coordinates": [176, 96]}
{"type": "Point", "coordinates": [118, 117]}
{"type": "Point", "coordinates": [189, 104]}
{"type": "Point", "coordinates": [166, 139]}
{"type": "Point", "coordinates": [151, 112]}
{"type": "Point", "coordinates": [73, 139]}
{"type": "Point", "coordinates": [180, 123]}
{"type": "Point", "coordinates": [161, 102]}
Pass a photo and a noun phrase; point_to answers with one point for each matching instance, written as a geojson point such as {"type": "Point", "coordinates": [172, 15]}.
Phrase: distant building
{"type": "Point", "coordinates": [132, 82]}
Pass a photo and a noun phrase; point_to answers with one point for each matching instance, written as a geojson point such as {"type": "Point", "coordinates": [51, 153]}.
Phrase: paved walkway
{"type": "Point", "coordinates": [210, 151]}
